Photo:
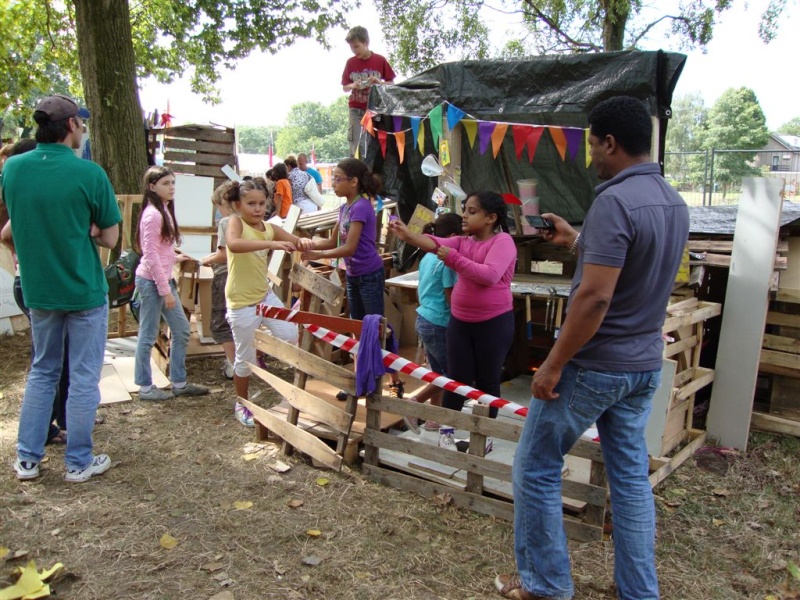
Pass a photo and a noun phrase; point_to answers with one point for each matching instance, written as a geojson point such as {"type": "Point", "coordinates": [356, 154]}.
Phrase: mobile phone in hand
{"type": "Point", "coordinates": [540, 222]}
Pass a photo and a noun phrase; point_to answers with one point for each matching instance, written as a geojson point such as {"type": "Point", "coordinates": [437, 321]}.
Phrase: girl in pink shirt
{"type": "Point", "coordinates": [156, 237]}
{"type": "Point", "coordinates": [481, 325]}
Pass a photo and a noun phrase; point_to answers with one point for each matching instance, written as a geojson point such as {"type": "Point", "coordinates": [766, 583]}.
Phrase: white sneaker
{"type": "Point", "coordinates": [447, 438]}
{"type": "Point", "coordinates": [99, 465]}
{"type": "Point", "coordinates": [227, 370]}
{"type": "Point", "coordinates": [243, 415]}
{"type": "Point", "coordinates": [26, 469]}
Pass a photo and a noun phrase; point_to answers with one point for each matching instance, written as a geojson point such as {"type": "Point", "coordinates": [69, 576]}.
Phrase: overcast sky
{"type": "Point", "coordinates": [255, 94]}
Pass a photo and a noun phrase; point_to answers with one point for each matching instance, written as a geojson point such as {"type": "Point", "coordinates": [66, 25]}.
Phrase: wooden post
{"type": "Point", "coordinates": [477, 447]}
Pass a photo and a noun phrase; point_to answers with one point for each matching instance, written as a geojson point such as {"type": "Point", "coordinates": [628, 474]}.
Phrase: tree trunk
{"type": "Point", "coordinates": [615, 18]}
{"type": "Point", "coordinates": [108, 70]}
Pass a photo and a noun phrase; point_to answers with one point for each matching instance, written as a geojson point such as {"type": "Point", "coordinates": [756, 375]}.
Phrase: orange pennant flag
{"type": "Point", "coordinates": [471, 127]}
{"type": "Point", "coordinates": [586, 144]}
{"type": "Point", "coordinates": [366, 123]}
{"type": "Point", "coordinates": [532, 141]}
{"type": "Point", "coordinates": [520, 133]}
{"type": "Point", "coordinates": [382, 141]}
{"type": "Point", "coordinates": [400, 138]}
{"type": "Point", "coordinates": [497, 137]}
{"type": "Point", "coordinates": [560, 140]}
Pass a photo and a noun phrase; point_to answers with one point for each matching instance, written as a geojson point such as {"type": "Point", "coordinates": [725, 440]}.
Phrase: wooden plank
{"type": "Point", "coordinates": [786, 363]}
{"type": "Point", "coordinates": [777, 318]}
{"type": "Point", "coordinates": [325, 289]}
{"type": "Point", "coordinates": [781, 343]}
{"type": "Point", "coordinates": [198, 158]}
{"type": "Point", "coordinates": [276, 257]}
{"type": "Point", "coordinates": [698, 438]}
{"type": "Point", "coordinates": [483, 425]}
{"type": "Point", "coordinates": [723, 260]}
{"type": "Point", "coordinates": [786, 294]}
{"type": "Point", "coordinates": [705, 311]}
{"type": "Point", "coordinates": [305, 361]}
{"type": "Point", "coordinates": [192, 169]}
{"type": "Point", "coordinates": [726, 246]}
{"type": "Point", "coordinates": [429, 489]}
{"type": "Point", "coordinates": [207, 134]}
{"type": "Point", "coordinates": [702, 377]}
{"type": "Point", "coordinates": [457, 460]}
{"type": "Point", "coordinates": [477, 447]}
{"type": "Point", "coordinates": [198, 146]}
{"type": "Point", "coordinates": [683, 306]}
{"type": "Point", "coordinates": [314, 407]}
{"type": "Point", "coordinates": [775, 424]}
{"type": "Point", "coordinates": [676, 347]}
{"type": "Point", "coordinates": [662, 400]}
{"type": "Point", "coordinates": [746, 300]}
{"type": "Point", "coordinates": [299, 439]}
{"type": "Point", "coordinates": [112, 387]}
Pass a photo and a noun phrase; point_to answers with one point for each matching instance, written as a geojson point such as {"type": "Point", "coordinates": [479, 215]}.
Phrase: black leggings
{"type": "Point", "coordinates": [475, 355]}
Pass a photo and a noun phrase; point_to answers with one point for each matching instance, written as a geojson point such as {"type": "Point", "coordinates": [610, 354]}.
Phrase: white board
{"type": "Point", "coordinates": [654, 433]}
{"type": "Point", "coordinates": [745, 312]}
{"type": "Point", "coordinates": [193, 208]}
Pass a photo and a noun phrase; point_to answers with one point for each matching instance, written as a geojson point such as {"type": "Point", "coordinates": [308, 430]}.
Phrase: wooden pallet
{"type": "Point", "coordinates": [684, 326]}
{"type": "Point", "coordinates": [197, 149]}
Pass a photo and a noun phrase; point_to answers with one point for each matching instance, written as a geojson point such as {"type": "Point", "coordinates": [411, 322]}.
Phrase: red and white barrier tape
{"type": "Point", "coordinates": [398, 363]}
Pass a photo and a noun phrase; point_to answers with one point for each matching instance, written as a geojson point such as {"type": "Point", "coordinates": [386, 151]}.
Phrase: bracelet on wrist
{"type": "Point", "coordinates": [574, 248]}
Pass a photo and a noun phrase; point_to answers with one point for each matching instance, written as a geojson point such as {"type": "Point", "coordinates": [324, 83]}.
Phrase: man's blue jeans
{"type": "Point", "coordinates": [619, 403]}
{"type": "Point", "coordinates": [88, 329]}
{"type": "Point", "coordinates": [150, 310]}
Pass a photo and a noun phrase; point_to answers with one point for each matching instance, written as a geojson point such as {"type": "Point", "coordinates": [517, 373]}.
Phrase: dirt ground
{"type": "Point", "coordinates": [183, 469]}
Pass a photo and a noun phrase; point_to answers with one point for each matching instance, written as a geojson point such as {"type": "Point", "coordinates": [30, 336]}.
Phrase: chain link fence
{"type": "Point", "coordinates": [714, 177]}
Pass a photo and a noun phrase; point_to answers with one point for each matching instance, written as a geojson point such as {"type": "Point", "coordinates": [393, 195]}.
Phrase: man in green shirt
{"type": "Point", "coordinates": [60, 208]}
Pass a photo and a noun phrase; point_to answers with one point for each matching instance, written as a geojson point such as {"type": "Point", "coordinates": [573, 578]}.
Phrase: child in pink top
{"type": "Point", "coordinates": [481, 326]}
{"type": "Point", "coordinates": [156, 237]}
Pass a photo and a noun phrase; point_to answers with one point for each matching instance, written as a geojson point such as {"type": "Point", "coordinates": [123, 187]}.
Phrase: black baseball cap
{"type": "Point", "coordinates": [60, 107]}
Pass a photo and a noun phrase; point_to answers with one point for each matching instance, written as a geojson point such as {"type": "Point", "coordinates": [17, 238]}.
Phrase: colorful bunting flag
{"type": "Point", "coordinates": [398, 123]}
{"type": "Point", "coordinates": [436, 124]}
{"type": "Point", "coordinates": [588, 153]}
{"type": "Point", "coordinates": [366, 123]}
{"type": "Point", "coordinates": [415, 128]}
{"type": "Point", "coordinates": [497, 137]}
{"type": "Point", "coordinates": [400, 138]}
{"type": "Point", "coordinates": [471, 127]}
{"type": "Point", "coordinates": [520, 134]}
{"type": "Point", "coordinates": [420, 141]}
{"type": "Point", "coordinates": [532, 141]}
{"type": "Point", "coordinates": [454, 115]}
{"type": "Point", "coordinates": [382, 141]}
{"type": "Point", "coordinates": [560, 140]}
{"type": "Point", "coordinates": [574, 137]}
{"type": "Point", "coordinates": [485, 130]}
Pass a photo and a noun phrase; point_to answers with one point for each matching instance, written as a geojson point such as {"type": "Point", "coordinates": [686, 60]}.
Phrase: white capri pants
{"type": "Point", "coordinates": [245, 321]}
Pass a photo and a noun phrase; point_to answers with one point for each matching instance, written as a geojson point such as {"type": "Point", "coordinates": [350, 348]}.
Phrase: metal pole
{"type": "Point", "coordinates": [711, 177]}
{"type": "Point", "coordinates": [705, 179]}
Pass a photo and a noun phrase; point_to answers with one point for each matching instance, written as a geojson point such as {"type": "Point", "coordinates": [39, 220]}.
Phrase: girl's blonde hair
{"type": "Point", "coordinates": [218, 197]}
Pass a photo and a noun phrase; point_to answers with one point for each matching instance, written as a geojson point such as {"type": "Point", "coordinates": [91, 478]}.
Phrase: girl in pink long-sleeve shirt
{"type": "Point", "coordinates": [481, 325]}
{"type": "Point", "coordinates": [156, 237]}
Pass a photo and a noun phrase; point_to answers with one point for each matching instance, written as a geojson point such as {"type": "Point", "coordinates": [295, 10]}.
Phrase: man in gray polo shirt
{"type": "Point", "coordinates": [605, 365]}
{"type": "Point", "coordinates": [60, 207]}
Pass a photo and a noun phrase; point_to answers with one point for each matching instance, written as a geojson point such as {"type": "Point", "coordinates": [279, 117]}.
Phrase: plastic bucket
{"type": "Point", "coordinates": [527, 188]}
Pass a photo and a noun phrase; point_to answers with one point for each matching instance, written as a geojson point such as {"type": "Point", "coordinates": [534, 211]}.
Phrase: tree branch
{"type": "Point", "coordinates": [647, 29]}
{"type": "Point", "coordinates": [553, 26]}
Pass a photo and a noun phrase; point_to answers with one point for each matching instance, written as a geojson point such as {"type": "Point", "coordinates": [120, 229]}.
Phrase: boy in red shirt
{"type": "Point", "coordinates": [361, 72]}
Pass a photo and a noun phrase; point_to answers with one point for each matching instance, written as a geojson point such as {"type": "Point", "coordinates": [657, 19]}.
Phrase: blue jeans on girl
{"type": "Point", "coordinates": [150, 310]}
{"type": "Point", "coordinates": [365, 294]}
